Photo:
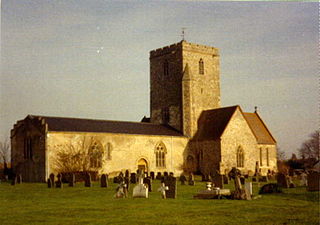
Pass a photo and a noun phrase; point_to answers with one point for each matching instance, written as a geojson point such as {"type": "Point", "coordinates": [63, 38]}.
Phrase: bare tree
{"type": "Point", "coordinates": [77, 155]}
{"type": "Point", "coordinates": [281, 155]}
{"type": "Point", "coordinates": [310, 148]}
{"type": "Point", "coordinates": [4, 151]}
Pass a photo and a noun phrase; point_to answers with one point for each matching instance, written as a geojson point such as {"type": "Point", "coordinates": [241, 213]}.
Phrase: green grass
{"type": "Point", "coordinates": [34, 203]}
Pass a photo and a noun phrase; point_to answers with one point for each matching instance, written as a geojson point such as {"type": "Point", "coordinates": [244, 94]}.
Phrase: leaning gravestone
{"type": "Point", "coordinates": [282, 180]}
{"type": "Point", "coordinates": [313, 181]}
{"type": "Point", "coordinates": [72, 180]}
{"type": "Point", "coordinates": [152, 175]}
{"type": "Point", "coordinates": [171, 183]}
{"type": "Point", "coordinates": [87, 180]}
{"type": "Point", "coordinates": [133, 178]}
{"type": "Point", "coordinates": [183, 179]}
{"type": "Point", "coordinates": [218, 181]}
{"type": "Point", "coordinates": [148, 183]}
{"type": "Point", "coordinates": [52, 179]}
{"type": "Point", "coordinates": [59, 182]}
{"type": "Point", "coordinates": [104, 181]}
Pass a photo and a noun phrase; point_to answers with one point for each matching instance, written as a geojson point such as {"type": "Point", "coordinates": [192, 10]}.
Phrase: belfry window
{"type": "Point", "coordinates": [95, 154]}
{"type": "Point", "coordinates": [165, 68]}
{"type": "Point", "coordinates": [201, 67]}
{"type": "Point", "coordinates": [240, 157]}
{"type": "Point", "coordinates": [160, 153]}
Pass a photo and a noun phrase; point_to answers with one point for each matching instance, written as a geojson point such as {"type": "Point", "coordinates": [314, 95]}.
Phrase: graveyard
{"type": "Point", "coordinates": [35, 203]}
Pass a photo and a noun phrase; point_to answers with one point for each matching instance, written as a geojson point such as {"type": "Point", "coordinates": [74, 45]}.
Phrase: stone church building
{"type": "Point", "coordinates": [187, 130]}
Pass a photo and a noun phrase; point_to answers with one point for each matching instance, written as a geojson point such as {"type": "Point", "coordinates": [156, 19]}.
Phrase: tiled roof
{"type": "Point", "coordinates": [106, 126]}
{"type": "Point", "coordinates": [213, 122]}
{"type": "Point", "coordinates": [259, 129]}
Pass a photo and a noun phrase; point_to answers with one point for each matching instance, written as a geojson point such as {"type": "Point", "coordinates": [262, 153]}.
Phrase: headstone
{"type": "Point", "coordinates": [248, 187]}
{"type": "Point", "coordinates": [59, 181]}
{"type": "Point", "coordinates": [217, 179]}
{"type": "Point", "coordinates": [14, 180]}
{"type": "Point", "coordinates": [163, 190]}
{"type": "Point", "coordinates": [225, 179]}
{"type": "Point", "coordinates": [183, 179]}
{"type": "Point", "coordinates": [133, 178]}
{"type": "Point", "coordinates": [127, 173]}
{"type": "Point", "coordinates": [52, 179]}
{"type": "Point", "coordinates": [87, 180]}
{"type": "Point", "coordinates": [239, 192]}
{"type": "Point", "coordinates": [19, 179]}
{"type": "Point", "coordinates": [146, 174]}
{"type": "Point", "coordinates": [303, 179]}
{"type": "Point", "coordinates": [120, 178]}
{"type": "Point", "coordinates": [242, 180]}
{"type": "Point", "coordinates": [152, 175]}
{"type": "Point", "coordinates": [115, 180]}
{"type": "Point", "coordinates": [72, 180]}
{"type": "Point", "coordinates": [270, 188]}
{"type": "Point", "coordinates": [254, 179]}
{"type": "Point", "coordinates": [126, 180]}
{"type": "Point", "coordinates": [191, 179]}
{"type": "Point", "coordinates": [49, 183]}
{"type": "Point", "coordinates": [121, 191]}
{"type": "Point", "coordinates": [104, 180]}
{"type": "Point", "coordinates": [159, 176]}
{"type": "Point", "coordinates": [148, 183]}
{"type": "Point", "coordinates": [246, 176]}
{"type": "Point", "coordinates": [282, 180]}
{"type": "Point", "coordinates": [171, 174]}
{"type": "Point", "coordinates": [165, 174]}
{"type": "Point", "coordinates": [171, 182]}
{"type": "Point", "coordinates": [140, 190]}
{"type": "Point", "coordinates": [313, 181]}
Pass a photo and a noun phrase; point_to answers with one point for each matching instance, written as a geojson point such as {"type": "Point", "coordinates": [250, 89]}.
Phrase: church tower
{"type": "Point", "coordinates": [184, 81]}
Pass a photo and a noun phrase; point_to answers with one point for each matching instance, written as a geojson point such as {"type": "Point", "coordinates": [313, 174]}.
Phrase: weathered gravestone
{"type": "Point", "coordinates": [163, 190]}
{"type": "Point", "coordinates": [49, 183]}
{"type": "Point", "coordinates": [171, 183]}
{"type": "Point", "coordinates": [72, 180]}
{"type": "Point", "coordinates": [191, 179]}
{"type": "Point", "coordinates": [282, 180]}
{"type": "Point", "coordinates": [152, 175]}
{"type": "Point", "coordinates": [225, 179]}
{"type": "Point", "coordinates": [182, 179]}
{"type": "Point", "coordinates": [239, 192]}
{"type": "Point", "coordinates": [218, 181]}
{"type": "Point", "coordinates": [121, 191]}
{"type": "Point", "coordinates": [148, 182]}
{"type": "Point", "coordinates": [59, 181]}
{"type": "Point", "coordinates": [140, 190]}
{"type": "Point", "coordinates": [104, 180]}
{"type": "Point", "coordinates": [87, 180]}
{"type": "Point", "coordinates": [133, 178]}
{"type": "Point", "coordinates": [242, 180]}
{"type": "Point", "coordinates": [52, 179]}
{"type": "Point", "coordinates": [313, 181]}
{"type": "Point", "coordinates": [115, 180]}
{"type": "Point", "coordinates": [303, 179]}
{"type": "Point", "coordinates": [19, 179]}
{"type": "Point", "coordinates": [165, 174]}
{"type": "Point", "coordinates": [159, 176]}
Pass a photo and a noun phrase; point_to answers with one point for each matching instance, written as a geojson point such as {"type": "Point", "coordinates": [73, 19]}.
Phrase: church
{"type": "Point", "coordinates": [187, 131]}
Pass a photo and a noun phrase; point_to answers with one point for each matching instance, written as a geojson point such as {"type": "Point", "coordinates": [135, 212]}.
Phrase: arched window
{"type": "Point", "coordinates": [240, 157]}
{"type": "Point", "coordinates": [165, 68]}
{"type": "Point", "coordinates": [201, 67]}
{"type": "Point", "coordinates": [161, 152]}
{"type": "Point", "coordinates": [261, 159]}
{"type": "Point", "coordinates": [95, 154]}
{"type": "Point", "coordinates": [267, 156]}
{"type": "Point", "coordinates": [108, 151]}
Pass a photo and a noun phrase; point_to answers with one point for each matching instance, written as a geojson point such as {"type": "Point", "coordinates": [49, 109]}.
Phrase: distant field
{"type": "Point", "coordinates": [34, 203]}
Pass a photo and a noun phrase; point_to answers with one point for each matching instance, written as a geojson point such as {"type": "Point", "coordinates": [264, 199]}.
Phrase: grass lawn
{"type": "Point", "coordinates": [34, 203]}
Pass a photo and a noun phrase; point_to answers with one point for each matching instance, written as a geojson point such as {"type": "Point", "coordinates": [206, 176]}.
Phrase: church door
{"type": "Point", "coordinates": [142, 165]}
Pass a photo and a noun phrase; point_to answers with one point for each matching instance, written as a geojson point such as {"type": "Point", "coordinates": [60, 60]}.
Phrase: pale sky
{"type": "Point", "coordinates": [90, 59]}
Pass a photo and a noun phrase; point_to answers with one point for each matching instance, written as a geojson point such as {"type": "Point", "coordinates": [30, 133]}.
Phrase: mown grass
{"type": "Point", "coordinates": [34, 203]}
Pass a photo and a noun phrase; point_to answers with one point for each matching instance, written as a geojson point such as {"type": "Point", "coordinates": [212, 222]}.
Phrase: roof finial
{"type": "Point", "coordinates": [183, 33]}
{"type": "Point", "coordinates": [255, 109]}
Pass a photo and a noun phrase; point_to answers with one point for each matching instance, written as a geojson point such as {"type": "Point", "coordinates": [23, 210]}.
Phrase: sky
{"type": "Point", "coordinates": [90, 59]}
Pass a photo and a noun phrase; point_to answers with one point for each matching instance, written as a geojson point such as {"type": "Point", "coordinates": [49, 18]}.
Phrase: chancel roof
{"type": "Point", "coordinates": [106, 126]}
{"type": "Point", "coordinates": [259, 129]}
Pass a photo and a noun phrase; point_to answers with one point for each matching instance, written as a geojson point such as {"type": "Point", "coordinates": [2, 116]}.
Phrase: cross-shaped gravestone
{"type": "Point", "coordinates": [163, 188]}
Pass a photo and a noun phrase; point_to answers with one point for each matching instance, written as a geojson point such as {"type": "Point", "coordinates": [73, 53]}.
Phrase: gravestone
{"type": "Point", "coordinates": [248, 188]}
{"type": "Point", "coordinates": [218, 181]}
{"type": "Point", "coordinates": [121, 191]}
{"type": "Point", "coordinates": [104, 180]}
{"type": "Point", "coordinates": [159, 176]}
{"type": "Point", "coordinates": [171, 183]}
{"type": "Point", "coordinates": [225, 179]}
{"type": "Point", "coordinates": [242, 180]}
{"type": "Point", "coordinates": [313, 181]}
{"type": "Point", "coordinates": [270, 188]}
{"type": "Point", "coordinates": [163, 190]}
{"type": "Point", "coordinates": [120, 178]}
{"type": "Point", "coordinates": [59, 181]}
{"type": "Point", "coordinates": [140, 190]}
{"type": "Point", "coordinates": [115, 180]}
{"type": "Point", "coordinates": [148, 183]}
{"type": "Point", "coordinates": [87, 180]}
{"type": "Point", "coordinates": [152, 175]}
{"type": "Point", "coordinates": [282, 180]}
{"type": "Point", "coordinates": [239, 192]}
{"type": "Point", "coordinates": [72, 180]}
{"type": "Point", "coordinates": [127, 173]}
{"type": "Point", "coordinates": [126, 180]}
{"type": "Point", "coordinates": [19, 179]}
{"type": "Point", "coordinates": [303, 179]}
{"type": "Point", "coordinates": [165, 174]}
{"type": "Point", "coordinates": [191, 179]}
{"type": "Point", "coordinates": [133, 178]}
{"type": "Point", "coordinates": [205, 177]}
{"type": "Point", "coordinates": [49, 183]}
{"type": "Point", "coordinates": [183, 179]}
{"type": "Point", "coordinates": [52, 179]}
{"type": "Point", "coordinates": [171, 174]}
{"type": "Point", "coordinates": [14, 180]}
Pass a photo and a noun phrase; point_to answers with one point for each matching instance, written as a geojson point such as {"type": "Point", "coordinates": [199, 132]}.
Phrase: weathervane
{"type": "Point", "coordinates": [182, 34]}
